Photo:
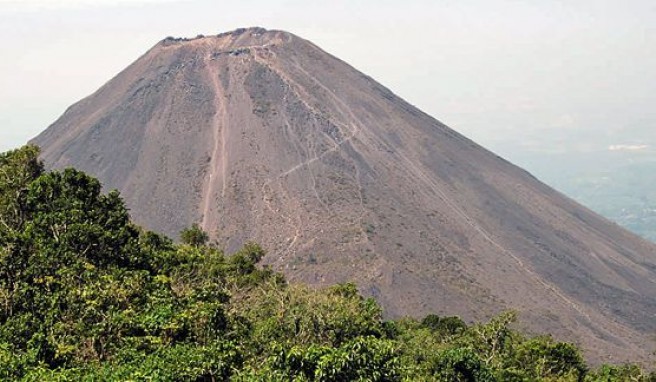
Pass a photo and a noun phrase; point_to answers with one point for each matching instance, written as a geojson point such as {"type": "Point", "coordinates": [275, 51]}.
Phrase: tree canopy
{"type": "Point", "coordinates": [87, 295]}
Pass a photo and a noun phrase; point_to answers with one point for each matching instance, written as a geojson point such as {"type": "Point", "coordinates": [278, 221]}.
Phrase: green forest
{"type": "Point", "coordinates": [86, 295]}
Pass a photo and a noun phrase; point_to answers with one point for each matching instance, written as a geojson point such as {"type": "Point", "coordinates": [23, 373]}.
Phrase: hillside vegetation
{"type": "Point", "coordinates": [85, 295]}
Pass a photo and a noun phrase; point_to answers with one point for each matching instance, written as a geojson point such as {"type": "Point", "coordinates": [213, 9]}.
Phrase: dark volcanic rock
{"type": "Point", "coordinates": [260, 135]}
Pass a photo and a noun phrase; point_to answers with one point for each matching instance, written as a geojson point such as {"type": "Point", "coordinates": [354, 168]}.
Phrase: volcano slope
{"type": "Point", "coordinates": [260, 135]}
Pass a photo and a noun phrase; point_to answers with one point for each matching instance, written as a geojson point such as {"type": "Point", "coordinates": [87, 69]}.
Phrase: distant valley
{"type": "Point", "coordinates": [610, 176]}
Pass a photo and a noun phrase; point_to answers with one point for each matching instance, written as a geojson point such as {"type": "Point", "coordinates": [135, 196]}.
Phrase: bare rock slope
{"type": "Point", "coordinates": [260, 135]}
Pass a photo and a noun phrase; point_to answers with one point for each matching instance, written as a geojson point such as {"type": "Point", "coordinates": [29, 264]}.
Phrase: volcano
{"type": "Point", "coordinates": [261, 136]}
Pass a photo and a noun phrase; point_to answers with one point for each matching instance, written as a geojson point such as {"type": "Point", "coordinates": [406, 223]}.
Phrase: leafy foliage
{"type": "Point", "coordinates": [194, 235]}
{"type": "Point", "coordinates": [85, 295]}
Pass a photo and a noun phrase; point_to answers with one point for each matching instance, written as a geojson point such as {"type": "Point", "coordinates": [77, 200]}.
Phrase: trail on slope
{"type": "Point", "coordinates": [459, 211]}
{"type": "Point", "coordinates": [295, 88]}
{"type": "Point", "coordinates": [218, 130]}
{"type": "Point", "coordinates": [420, 174]}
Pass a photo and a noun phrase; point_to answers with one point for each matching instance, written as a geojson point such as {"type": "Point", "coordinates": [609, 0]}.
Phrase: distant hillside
{"type": "Point", "coordinates": [617, 185]}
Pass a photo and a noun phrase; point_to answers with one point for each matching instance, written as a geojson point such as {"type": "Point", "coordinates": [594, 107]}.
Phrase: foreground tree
{"type": "Point", "coordinates": [194, 236]}
{"type": "Point", "coordinates": [18, 169]}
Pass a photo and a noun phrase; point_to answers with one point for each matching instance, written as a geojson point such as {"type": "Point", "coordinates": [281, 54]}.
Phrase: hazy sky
{"type": "Point", "coordinates": [536, 75]}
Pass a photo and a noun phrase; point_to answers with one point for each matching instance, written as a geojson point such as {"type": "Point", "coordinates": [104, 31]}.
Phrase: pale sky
{"type": "Point", "coordinates": [532, 75]}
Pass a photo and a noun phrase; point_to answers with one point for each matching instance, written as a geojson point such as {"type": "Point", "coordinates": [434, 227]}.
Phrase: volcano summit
{"type": "Point", "coordinates": [261, 136]}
